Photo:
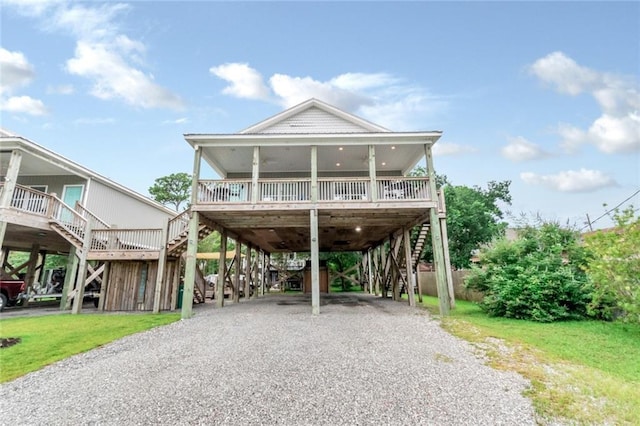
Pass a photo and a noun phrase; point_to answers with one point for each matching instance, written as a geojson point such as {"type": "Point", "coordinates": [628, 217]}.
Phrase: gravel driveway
{"type": "Point", "coordinates": [364, 360]}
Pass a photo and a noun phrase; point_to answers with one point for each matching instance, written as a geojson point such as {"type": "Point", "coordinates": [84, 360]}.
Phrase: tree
{"type": "Point", "coordinates": [173, 189]}
{"type": "Point", "coordinates": [614, 268]}
{"type": "Point", "coordinates": [340, 262]}
{"type": "Point", "coordinates": [473, 217]}
{"type": "Point", "coordinates": [540, 276]}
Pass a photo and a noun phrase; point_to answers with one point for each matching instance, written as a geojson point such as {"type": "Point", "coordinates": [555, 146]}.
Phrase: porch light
{"type": "Point", "coordinates": [337, 164]}
{"type": "Point", "coordinates": [340, 149]}
{"type": "Point", "coordinates": [393, 147]}
{"type": "Point", "coordinates": [358, 229]}
{"type": "Point", "coordinates": [384, 164]}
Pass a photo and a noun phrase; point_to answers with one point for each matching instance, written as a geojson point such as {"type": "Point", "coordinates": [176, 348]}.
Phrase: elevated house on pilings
{"type": "Point", "coordinates": [317, 179]}
{"type": "Point", "coordinates": [130, 245]}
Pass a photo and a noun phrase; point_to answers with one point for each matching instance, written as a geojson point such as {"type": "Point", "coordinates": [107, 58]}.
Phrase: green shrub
{"type": "Point", "coordinates": [614, 268]}
{"type": "Point", "coordinates": [538, 277]}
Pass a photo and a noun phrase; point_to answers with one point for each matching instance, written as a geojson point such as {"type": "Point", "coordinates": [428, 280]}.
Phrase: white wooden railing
{"type": "Point", "coordinates": [126, 239]}
{"type": "Point", "coordinates": [96, 222]}
{"type": "Point", "coordinates": [30, 200]}
{"type": "Point", "coordinates": [329, 190]}
{"type": "Point", "coordinates": [178, 225]}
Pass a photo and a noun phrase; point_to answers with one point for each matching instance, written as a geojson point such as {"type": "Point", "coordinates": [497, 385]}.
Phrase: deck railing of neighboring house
{"type": "Point", "coordinates": [126, 239]}
{"type": "Point", "coordinates": [299, 190]}
{"type": "Point", "coordinates": [67, 217]}
{"type": "Point", "coordinates": [30, 200]}
{"type": "Point", "coordinates": [96, 222]}
{"type": "Point", "coordinates": [178, 225]}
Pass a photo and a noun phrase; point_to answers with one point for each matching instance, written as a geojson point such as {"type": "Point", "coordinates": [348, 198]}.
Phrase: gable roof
{"type": "Point", "coordinates": [313, 116]}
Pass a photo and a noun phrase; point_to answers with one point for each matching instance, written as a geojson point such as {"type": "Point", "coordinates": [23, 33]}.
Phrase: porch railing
{"type": "Point", "coordinates": [30, 200]}
{"type": "Point", "coordinates": [329, 190]}
{"type": "Point", "coordinates": [67, 217]}
{"type": "Point", "coordinates": [126, 239]}
{"type": "Point", "coordinates": [96, 222]}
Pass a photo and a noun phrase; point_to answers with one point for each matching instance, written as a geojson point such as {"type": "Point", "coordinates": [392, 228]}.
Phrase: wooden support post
{"type": "Point", "coordinates": [162, 260]}
{"type": "Point", "coordinates": [383, 269]}
{"type": "Point", "coordinates": [436, 240]}
{"type": "Point", "coordinates": [255, 175]}
{"type": "Point", "coordinates": [175, 284]}
{"type": "Point", "coordinates": [369, 271]}
{"type": "Point", "coordinates": [82, 270]}
{"type": "Point", "coordinates": [104, 286]}
{"type": "Point", "coordinates": [192, 241]}
{"type": "Point", "coordinates": [315, 263]}
{"type": "Point", "coordinates": [419, 282]}
{"type": "Point", "coordinates": [247, 273]}
{"type": "Point", "coordinates": [10, 180]}
{"type": "Point", "coordinates": [31, 269]}
{"type": "Point", "coordinates": [236, 274]}
{"type": "Point", "coordinates": [376, 269]}
{"type": "Point", "coordinates": [373, 189]}
{"type": "Point", "coordinates": [257, 277]}
{"type": "Point", "coordinates": [69, 278]}
{"type": "Point", "coordinates": [221, 281]}
{"type": "Point", "coordinates": [409, 268]}
{"type": "Point", "coordinates": [445, 248]}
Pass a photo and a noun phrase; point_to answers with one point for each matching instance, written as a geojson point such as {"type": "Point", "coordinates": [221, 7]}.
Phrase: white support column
{"type": "Point", "coordinates": [373, 189]}
{"type": "Point", "coordinates": [255, 175]}
{"type": "Point", "coordinates": [10, 180]}
{"type": "Point", "coordinates": [315, 263]}
{"type": "Point", "coordinates": [314, 174]}
{"type": "Point", "coordinates": [436, 240]}
{"type": "Point", "coordinates": [192, 241]}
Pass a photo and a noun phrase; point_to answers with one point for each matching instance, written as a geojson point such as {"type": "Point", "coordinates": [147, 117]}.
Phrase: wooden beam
{"type": "Point", "coordinates": [315, 263]}
{"type": "Point", "coordinates": [103, 286]}
{"type": "Point", "coordinates": [69, 278]}
{"type": "Point", "coordinates": [436, 241]}
{"type": "Point", "coordinates": [192, 241]}
{"type": "Point", "coordinates": [407, 261]}
{"type": "Point", "coordinates": [162, 261]}
{"type": "Point", "coordinates": [255, 174]}
{"type": "Point", "coordinates": [247, 273]}
{"type": "Point", "coordinates": [222, 270]}
{"type": "Point", "coordinates": [236, 275]}
{"type": "Point", "coordinates": [445, 248]}
{"type": "Point", "coordinates": [10, 180]}
{"type": "Point", "coordinates": [82, 270]}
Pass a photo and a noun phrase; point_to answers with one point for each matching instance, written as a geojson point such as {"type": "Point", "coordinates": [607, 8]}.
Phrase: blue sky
{"type": "Point", "coordinates": [544, 94]}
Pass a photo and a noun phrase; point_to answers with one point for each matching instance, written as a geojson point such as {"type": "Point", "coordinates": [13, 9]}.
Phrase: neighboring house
{"type": "Point", "coordinates": [47, 204]}
{"type": "Point", "coordinates": [317, 179]}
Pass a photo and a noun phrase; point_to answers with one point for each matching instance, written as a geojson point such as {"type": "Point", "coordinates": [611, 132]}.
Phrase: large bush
{"type": "Point", "coordinates": [614, 268]}
{"type": "Point", "coordinates": [540, 276]}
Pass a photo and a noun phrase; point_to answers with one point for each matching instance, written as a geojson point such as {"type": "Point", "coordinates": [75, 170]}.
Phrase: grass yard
{"type": "Point", "coordinates": [584, 371]}
{"type": "Point", "coordinates": [50, 338]}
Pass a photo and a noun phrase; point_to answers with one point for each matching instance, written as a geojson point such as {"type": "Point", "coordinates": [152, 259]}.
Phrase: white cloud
{"type": "Point", "coordinates": [583, 180]}
{"type": "Point", "coordinates": [111, 60]}
{"type": "Point", "coordinates": [181, 120]}
{"type": "Point", "coordinates": [17, 72]}
{"type": "Point", "coordinates": [617, 130]}
{"type": "Point", "coordinates": [245, 82]}
{"type": "Point", "coordinates": [447, 148]}
{"type": "Point", "coordinates": [520, 149]}
{"type": "Point", "coordinates": [114, 78]}
{"type": "Point", "coordinates": [63, 89]}
{"type": "Point", "coordinates": [93, 121]}
{"type": "Point", "coordinates": [379, 97]}
{"type": "Point", "coordinates": [24, 105]}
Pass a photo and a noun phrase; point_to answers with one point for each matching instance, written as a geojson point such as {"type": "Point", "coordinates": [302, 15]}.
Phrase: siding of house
{"type": "Point", "coordinates": [55, 184]}
{"type": "Point", "coordinates": [117, 208]}
{"type": "Point", "coordinates": [314, 120]}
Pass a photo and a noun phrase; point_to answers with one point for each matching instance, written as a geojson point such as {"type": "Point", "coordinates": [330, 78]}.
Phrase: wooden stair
{"type": "Point", "coordinates": [418, 248]}
{"type": "Point", "coordinates": [73, 236]}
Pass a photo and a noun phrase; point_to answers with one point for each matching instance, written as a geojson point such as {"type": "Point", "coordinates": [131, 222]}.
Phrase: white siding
{"type": "Point", "coordinates": [117, 208]}
{"type": "Point", "coordinates": [314, 120]}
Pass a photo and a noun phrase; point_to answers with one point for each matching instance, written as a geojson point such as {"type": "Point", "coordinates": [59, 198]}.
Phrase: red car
{"type": "Point", "coordinates": [11, 292]}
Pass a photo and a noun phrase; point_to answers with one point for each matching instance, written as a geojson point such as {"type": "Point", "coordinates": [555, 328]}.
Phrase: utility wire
{"type": "Point", "coordinates": [610, 210]}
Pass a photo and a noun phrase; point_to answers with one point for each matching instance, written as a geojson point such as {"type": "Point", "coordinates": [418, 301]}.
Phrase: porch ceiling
{"type": "Point", "coordinates": [337, 153]}
{"type": "Point", "coordinates": [283, 229]}
{"type": "Point", "coordinates": [33, 165]}
{"type": "Point", "coordinates": [24, 237]}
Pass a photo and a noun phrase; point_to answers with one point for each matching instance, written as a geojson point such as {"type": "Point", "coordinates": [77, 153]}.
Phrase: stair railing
{"type": "Point", "coordinates": [178, 225]}
{"type": "Point", "coordinates": [67, 218]}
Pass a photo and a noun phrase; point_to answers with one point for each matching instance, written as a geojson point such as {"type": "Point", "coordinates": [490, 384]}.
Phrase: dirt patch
{"type": "Point", "coordinates": [6, 342]}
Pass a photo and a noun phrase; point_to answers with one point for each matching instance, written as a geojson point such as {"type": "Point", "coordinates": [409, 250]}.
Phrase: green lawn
{"type": "Point", "coordinates": [50, 338]}
{"type": "Point", "coordinates": [587, 371]}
